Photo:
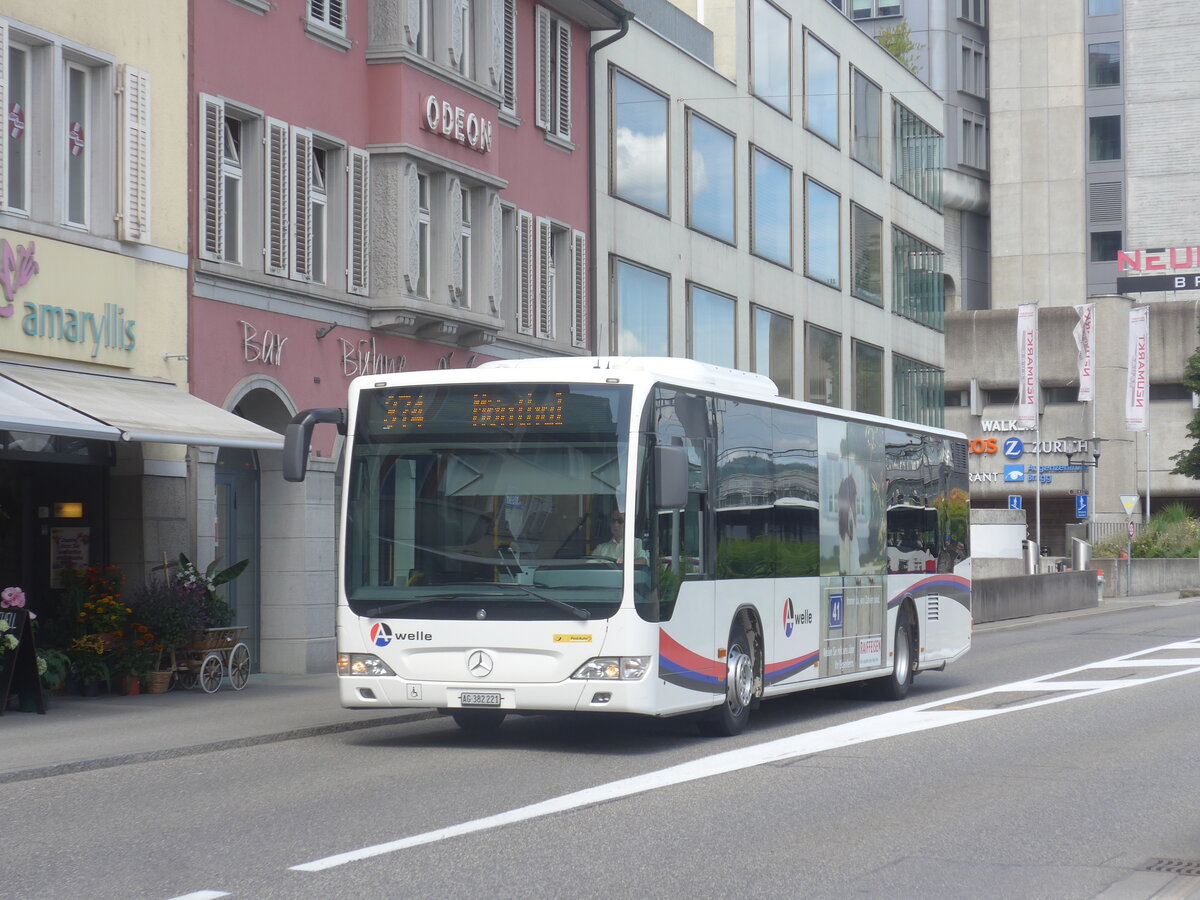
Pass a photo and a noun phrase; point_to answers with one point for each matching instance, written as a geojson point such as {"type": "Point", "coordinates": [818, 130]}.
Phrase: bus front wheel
{"type": "Point", "coordinates": [729, 718]}
{"type": "Point", "coordinates": [895, 686]}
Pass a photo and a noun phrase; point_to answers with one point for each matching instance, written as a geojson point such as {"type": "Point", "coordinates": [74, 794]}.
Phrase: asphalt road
{"type": "Point", "coordinates": [1064, 787]}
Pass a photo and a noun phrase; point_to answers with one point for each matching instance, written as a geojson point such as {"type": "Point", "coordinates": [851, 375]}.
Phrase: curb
{"type": "Point", "coordinates": [126, 759]}
{"type": "Point", "coordinates": [1111, 607]}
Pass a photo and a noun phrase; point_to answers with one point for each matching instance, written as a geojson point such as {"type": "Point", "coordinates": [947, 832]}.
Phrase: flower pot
{"type": "Point", "coordinates": [131, 685]}
{"type": "Point", "coordinates": [158, 682]}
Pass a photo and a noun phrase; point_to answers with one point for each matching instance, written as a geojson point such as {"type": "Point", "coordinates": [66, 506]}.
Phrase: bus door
{"type": "Point", "coordinates": [853, 619]}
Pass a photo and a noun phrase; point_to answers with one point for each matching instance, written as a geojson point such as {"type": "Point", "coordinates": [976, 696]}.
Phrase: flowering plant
{"type": "Point", "coordinates": [13, 598]}
{"type": "Point", "coordinates": [87, 658]}
{"type": "Point", "coordinates": [136, 651]}
{"type": "Point", "coordinates": [217, 613]}
{"type": "Point", "coordinates": [103, 615]}
{"type": "Point", "coordinates": [8, 640]}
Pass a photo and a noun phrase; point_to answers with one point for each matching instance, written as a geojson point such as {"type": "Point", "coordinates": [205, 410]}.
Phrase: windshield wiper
{"type": "Point", "coordinates": [554, 601]}
{"type": "Point", "coordinates": [392, 609]}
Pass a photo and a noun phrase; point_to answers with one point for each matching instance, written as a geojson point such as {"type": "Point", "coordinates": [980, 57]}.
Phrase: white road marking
{"type": "Point", "coordinates": [202, 895]}
{"type": "Point", "coordinates": [936, 714]}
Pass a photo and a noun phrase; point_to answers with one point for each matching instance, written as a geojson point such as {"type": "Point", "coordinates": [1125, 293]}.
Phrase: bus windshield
{"type": "Point", "coordinates": [486, 501]}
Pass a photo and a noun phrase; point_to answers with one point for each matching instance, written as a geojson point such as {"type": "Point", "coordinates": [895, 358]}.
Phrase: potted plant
{"type": "Point", "coordinates": [88, 664]}
{"type": "Point", "coordinates": [54, 666]}
{"type": "Point", "coordinates": [170, 615]}
{"type": "Point", "coordinates": [135, 654]}
{"type": "Point", "coordinates": [216, 612]}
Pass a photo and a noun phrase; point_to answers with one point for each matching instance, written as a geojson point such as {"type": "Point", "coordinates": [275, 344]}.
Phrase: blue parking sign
{"type": "Point", "coordinates": [1081, 506]}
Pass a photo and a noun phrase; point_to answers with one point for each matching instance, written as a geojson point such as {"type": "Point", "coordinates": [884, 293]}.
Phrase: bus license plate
{"type": "Point", "coordinates": [479, 699]}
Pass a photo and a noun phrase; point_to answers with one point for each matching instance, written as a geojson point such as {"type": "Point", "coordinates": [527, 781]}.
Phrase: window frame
{"type": "Point", "coordinates": [875, 164]}
{"type": "Point", "coordinates": [859, 350]}
{"type": "Point", "coordinates": [755, 153]}
{"type": "Point", "coordinates": [692, 117]}
{"type": "Point", "coordinates": [82, 177]}
{"type": "Point", "coordinates": [774, 361]}
{"type": "Point", "coordinates": [618, 263]}
{"type": "Point", "coordinates": [553, 104]}
{"type": "Point", "coordinates": [615, 189]}
{"type": "Point", "coordinates": [783, 107]}
{"type": "Point", "coordinates": [857, 210]}
{"type": "Point", "coordinates": [1091, 68]}
{"type": "Point", "coordinates": [810, 38]}
{"type": "Point", "coordinates": [809, 184]}
{"type": "Point", "coordinates": [817, 339]}
{"type": "Point", "coordinates": [1098, 142]}
{"type": "Point", "coordinates": [727, 329]}
{"type": "Point", "coordinates": [26, 135]}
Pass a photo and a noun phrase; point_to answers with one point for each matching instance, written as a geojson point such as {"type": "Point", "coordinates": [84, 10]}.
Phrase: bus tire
{"type": "Point", "coordinates": [477, 721]}
{"type": "Point", "coordinates": [730, 716]}
{"type": "Point", "coordinates": [904, 659]}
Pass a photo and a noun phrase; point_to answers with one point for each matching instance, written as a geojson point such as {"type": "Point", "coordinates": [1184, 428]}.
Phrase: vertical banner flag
{"type": "Point", "coordinates": [1085, 345]}
{"type": "Point", "coordinates": [1027, 355]}
{"type": "Point", "coordinates": [1137, 390]}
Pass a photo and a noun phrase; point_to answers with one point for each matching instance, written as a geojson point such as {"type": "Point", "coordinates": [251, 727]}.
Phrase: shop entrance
{"type": "Point", "coordinates": [237, 538]}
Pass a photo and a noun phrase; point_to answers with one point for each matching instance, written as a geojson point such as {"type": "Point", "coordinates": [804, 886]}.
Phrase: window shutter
{"type": "Point", "coordinates": [545, 294]}
{"type": "Point", "coordinates": [454, 187]}
{"type": "Point", "coordinates": [579, 296]}
{"type": "Point", "coordinates": [135, 155]}
{"type": "Point", "coordinates": [496, 222]}
{"type": "Point", "coordinates": [412, 231]}
{"type": "Point", "coordinates": [508, 88]}
{"type": "Point", "coordinates": [278, 192]}
{"type": "Point", "coordinates": [563, 99]}
{"type": "Point", "coordinates": [212, 180]}
{"type": "Point", "coordinates": [543, 69]}
{"type": "Point", "coordinates": [337, 15]}
{"type": "Point", "coordinates": [358, 218]}
{"type": "Point", "coordinates": [316, 10]}
{"type": "Point", "coordinates": [301, 177]}
{"type": "Point", "coordinates": [4, 110]}
{"type": "Point", "coordinates": [526, 276]}
{"type": "Point", "coordinates": [499, 12]}
{"type": "Point", "coordinates": [412, 23]}
{"type": "Point", "coordinates": [456, 33]}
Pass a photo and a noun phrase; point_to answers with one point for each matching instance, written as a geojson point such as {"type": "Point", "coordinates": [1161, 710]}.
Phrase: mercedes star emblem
{"type": "Point", "coordinates": [479, 664]}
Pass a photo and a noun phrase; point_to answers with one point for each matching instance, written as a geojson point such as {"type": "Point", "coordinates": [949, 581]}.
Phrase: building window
{"type": "Point", "coordinates": [918, 289]}
{"type": "Point", "coordinates": [916, 157]}
{"type": "Point", "coordinates": [508, 88]}
{"type": "Point", "coordinates": [1104, 64]}
{"type": "Point", "coordinates": [553, 74]}
{"type": "Point", "coordinates": [770, 208]}
{"type": "Point", "coordinates": [423, 234]}
{"type": "Point", "coordinates": [642, 306]}
{"type": "Point", "coordinates": [866, 250]}
{"type": "Point", "coordinates": [918, 392]}
{"type": "Point", "coordinates": [231, 176]}
{"type": "Point", "coordinates": [820, 89]}
{"type": "Point", "coordinates": [866, 128]}
{"type": "Point", "coordinates": [78, 130]}
{"type": "Point", "coordinates": [223, 169]}
{"type": "Point", "coordinates": [822, 233]}
{"type": "Point", "coordinates": [465, 246]}
{"type": "Point", "coordinates": [318, 200]}
{"type": "Point", "coordinates": [329, 13]}
{"type": "Point", "coordinates": [1105, 245]}
{"type": "Point", "coordinates": [972, 68]}
{"type": "Point", "coordinates": [710, 179]}
{"type": "Point", "coordinates": [711, 332]}
{"type": "Point", "coordinates": [18, 122]}
{"type": "Point", "coordinates": [1103, 7]}
{"type": "Point", "coordinates": [973, 11]}
{"type": "Point", "coordinates": [423, 39]}
{"type": "Point", "coordinates": [772, 348]}
{"type": "Point", "coordinates": [770, 55]}
{"type": "Point", "coordinates": [822, 366]}
{"type": "Point", "coordinates": [868, 378]}
{"type": "Point", "coordinates": [1104, 138]}
{"type": "Point", "coordinates": [972, 149]}
{"type": "Point", "coordinates": [639, 135]}
{"type": "Point", "coordinates": [873, 9]}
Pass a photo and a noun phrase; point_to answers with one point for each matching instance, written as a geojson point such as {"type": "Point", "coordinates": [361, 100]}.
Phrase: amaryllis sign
{"type": "Point", "coordinates": [1027, 354]}
{"type": "Point", "coordinates": [1137, 391]}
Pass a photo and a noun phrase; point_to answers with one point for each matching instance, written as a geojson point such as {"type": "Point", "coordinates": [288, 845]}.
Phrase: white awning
{"type": "Point", "coordinates": [24, 410]}
{"type": "Point", "coordinates": [136, 409]}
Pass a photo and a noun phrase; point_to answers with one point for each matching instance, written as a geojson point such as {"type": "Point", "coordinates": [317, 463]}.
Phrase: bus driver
{"type": "Point", "coordinates": [614, 549]}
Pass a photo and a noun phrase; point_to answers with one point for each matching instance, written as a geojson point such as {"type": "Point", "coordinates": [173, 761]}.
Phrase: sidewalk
{"type": "Point", "coordinates": [78, 734]}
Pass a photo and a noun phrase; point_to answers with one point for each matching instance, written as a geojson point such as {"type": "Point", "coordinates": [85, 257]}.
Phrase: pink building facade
{"type": "Point", "coordinates": [379, 185]}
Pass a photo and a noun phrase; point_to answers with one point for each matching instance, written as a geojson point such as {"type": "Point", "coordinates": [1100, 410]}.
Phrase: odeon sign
{"type": "Point", "coordinates": [456, 124]}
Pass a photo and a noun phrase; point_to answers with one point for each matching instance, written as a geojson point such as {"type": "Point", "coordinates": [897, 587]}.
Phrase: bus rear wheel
{"type": "Point", "coordinates": [904, 660]}
{"type": "Point", "coordinates": [477, 721]}
{"type": "Point", "coordinates": [730, 717]}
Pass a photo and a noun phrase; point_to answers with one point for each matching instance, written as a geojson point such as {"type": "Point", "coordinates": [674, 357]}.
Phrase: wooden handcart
{"type": "Point", "coordinates": [212, 654]}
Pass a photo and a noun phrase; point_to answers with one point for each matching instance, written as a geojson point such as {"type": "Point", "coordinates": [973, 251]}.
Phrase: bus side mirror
{"type": "Point", "coordinates": [670, 477]}
{"type": "Point", "coordinates": [298, 436]}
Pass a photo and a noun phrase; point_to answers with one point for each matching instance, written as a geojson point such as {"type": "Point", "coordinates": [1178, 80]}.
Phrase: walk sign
{"type": "Point", "coordinates": [1130, 502]}
{"type": "Point", "coordinates": [1014, 501]}
{"type": "Point", "coordinates": [1081, 506]}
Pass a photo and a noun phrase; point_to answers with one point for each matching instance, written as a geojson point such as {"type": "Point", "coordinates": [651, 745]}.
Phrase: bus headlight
{"type": "Point", "coordinates": [614, 668]}
{"type": "Point", "coordinates": [362, 664]}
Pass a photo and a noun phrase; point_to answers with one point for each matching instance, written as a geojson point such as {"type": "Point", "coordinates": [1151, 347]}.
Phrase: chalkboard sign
{"type": "Point", "coordinates": [18, 668]}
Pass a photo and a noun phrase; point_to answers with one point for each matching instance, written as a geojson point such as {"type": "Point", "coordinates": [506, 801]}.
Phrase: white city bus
{"type": "Point", "coordinates": [480, 574]}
